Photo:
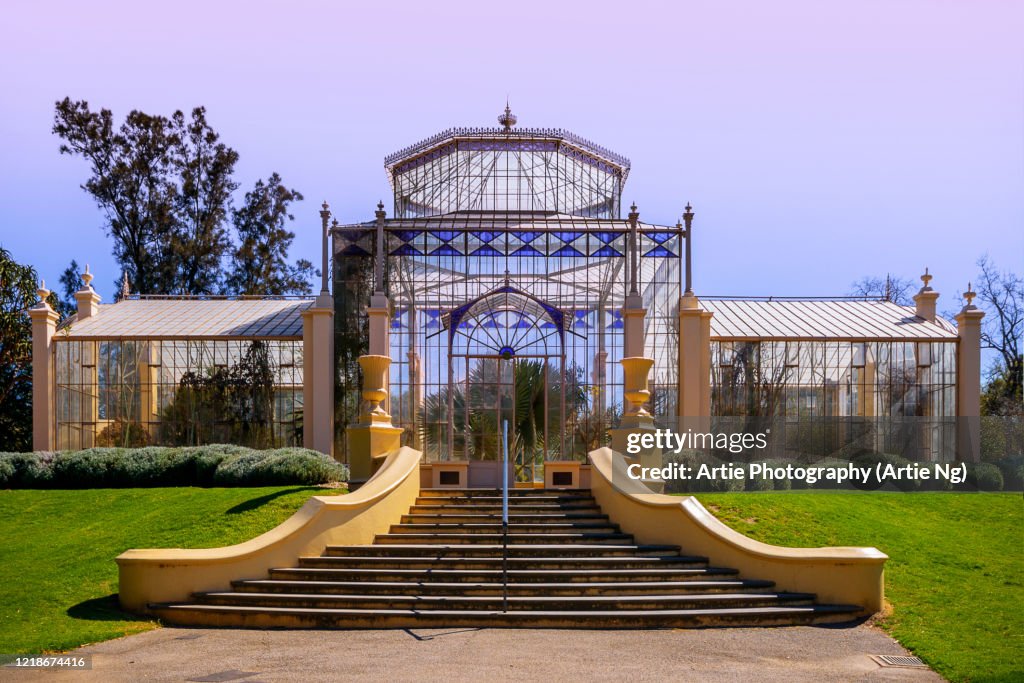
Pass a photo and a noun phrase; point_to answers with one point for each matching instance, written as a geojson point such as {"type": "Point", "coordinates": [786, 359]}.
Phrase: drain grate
{"type": "Point", "coordinates": [899, 660]}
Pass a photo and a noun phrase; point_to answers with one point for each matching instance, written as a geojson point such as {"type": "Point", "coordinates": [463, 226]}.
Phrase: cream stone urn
{"type": "Point", "coordinates": [375, 376]}
{"type": "Point", "coordinates": [635, 371]}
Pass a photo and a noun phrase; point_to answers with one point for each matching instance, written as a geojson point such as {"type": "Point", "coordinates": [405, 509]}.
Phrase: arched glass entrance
{"type": "Point", "coordinates": [507, 361]}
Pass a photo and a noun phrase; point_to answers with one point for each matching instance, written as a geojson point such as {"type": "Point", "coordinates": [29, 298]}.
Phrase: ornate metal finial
{"type": "Point", "coordinates": [689, 210]}
{"type": "Point", "coordinates": [926, 279]}
{"type": "Point", "coordinates": [125, 289]}
{"type": "Point", "coordinates": [42, 292]}
{"type": "Point", "coordinates": [632, 207]}
{"type": "Point", "coordinates": [508, 119]}
{"type": "Point", "coordinates": [969, 295]}
{"type": "Point", "coordinates": [380, 205]}
{"type": "Point", "coordinates": [325, 206]}
{"type": "Point", "coordinates": [508, 278]}
{"type": "Point", "coordinates": [87, 277]}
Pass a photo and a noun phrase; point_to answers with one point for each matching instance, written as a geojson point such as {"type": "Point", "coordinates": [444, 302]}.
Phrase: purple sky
{"type": "Point", "coordinates": [818, 141]}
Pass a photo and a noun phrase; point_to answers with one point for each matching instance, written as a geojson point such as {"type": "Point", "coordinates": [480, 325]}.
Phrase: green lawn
{"type": "Point", "coordinates": [954, 579]}
{"type": "Point", "coordinates": [57, 548]}
{"type": "Point", "coordinates": [955, 574]}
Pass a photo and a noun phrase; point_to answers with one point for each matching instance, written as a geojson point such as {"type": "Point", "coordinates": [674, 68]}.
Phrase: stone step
{"type": "Point", "coordinates": [492, 575]}
{"type": "Point", "coordinates": [513, 538]}
{"type": "Point", "coordinates": [512, 493]}
{"type": "Point", "coordinates": [513, 527]}
{"type": "Point", "coordinates": [592, 563]}
{"type": "Point", "coordinates": [495, 550]}
{"type": "Point", "coordinates": [492, 603]}
{"type": "Point", "coordinates": [513, 502]}
{"type": "Point", "coordinates": [495, 589]}
{"type": "Point", "coordinates": [513, 518]}
{"type": "Point", "coordinates": [286, 617]}
{"type": "Point", "coordinates": [458, 508]}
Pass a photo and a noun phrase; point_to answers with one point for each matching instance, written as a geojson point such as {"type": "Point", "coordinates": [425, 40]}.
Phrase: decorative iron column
{"type": "Point", "coordinates": [633, 310]}
{"type": "Point", "coordinates": [694, 397]}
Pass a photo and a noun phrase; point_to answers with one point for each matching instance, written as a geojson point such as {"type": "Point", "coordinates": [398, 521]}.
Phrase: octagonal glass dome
{"type": "Point", "coordinates": [507, 169]}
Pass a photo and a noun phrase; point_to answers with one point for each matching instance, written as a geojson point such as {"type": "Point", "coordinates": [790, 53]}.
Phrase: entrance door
{"type": "Point", "coordinates": [506, 361]}
{"type": "Point", "coordinates": [526, 392]}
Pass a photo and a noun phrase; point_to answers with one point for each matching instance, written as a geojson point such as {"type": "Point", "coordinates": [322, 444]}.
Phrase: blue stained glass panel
{"type": "Point", "coordinates": [659, 251]}
{"type": "Point", "coordinates": [567, 251]}
{"type": "Point", "coordinates": [446, 250]}
{"type": "Point", "coordinates": [607, 237]}
{"type": "Point", "coordinates": [659, 237]}
{"type": "Point", "coordinates": [607, 251]}
{"type": "Point", "coordinates": [526, 251]}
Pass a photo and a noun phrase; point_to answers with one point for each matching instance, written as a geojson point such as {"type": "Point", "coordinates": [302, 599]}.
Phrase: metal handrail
{"type": "Point", "coordinates": [504, 517]}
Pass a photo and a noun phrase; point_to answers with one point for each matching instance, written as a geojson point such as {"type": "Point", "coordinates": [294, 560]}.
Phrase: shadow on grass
{"type": "Point", "coordinates": [106, 608]}
{"type": "Point", "coordinates": [253, 503]}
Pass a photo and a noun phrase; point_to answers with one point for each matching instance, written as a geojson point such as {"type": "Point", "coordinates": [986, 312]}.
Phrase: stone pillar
{"type": "Point", "coordinates": [379, 313]}
{"type": "Point", "coordinates": [925, 300]}
{"type": "Point", "coordinates": [44, 326]}
{"type": "Point", "coordinates": [633, 314]}
{"type": "Point", "coordinates": [968, 380]}
{"type": "Point", "coordinates": [87, 299]}
{"type": "Point", "coordinates": [694, 400]}
{"type": "Point", "coordinates": [318, 375]}
{"type": "Point", "coordinates": [373, 437]}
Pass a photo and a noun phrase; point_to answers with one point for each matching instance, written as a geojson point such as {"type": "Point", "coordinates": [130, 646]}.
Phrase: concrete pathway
{"type": "Point", "coordinates": [789, 655]}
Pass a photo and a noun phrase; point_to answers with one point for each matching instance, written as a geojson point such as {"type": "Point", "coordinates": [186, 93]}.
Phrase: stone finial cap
{"type": "Point", "coordinates": [43, 293]}
{"type": "Point", "coordinates": [87, 278]}
{"type": "Point", "coordinates": [969, 296]}
{"type": "Point", "coordinates": [926, 279]}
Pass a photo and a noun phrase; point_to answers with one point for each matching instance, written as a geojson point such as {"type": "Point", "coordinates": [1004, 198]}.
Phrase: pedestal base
{"type": "Point", "coordinates": [368, 444]}
{"type": "Point", "coordinates": [645, 457]}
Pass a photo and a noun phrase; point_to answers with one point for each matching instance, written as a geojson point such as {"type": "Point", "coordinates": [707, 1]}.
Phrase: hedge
{"type": "Point", "coordinates": [216, 465]}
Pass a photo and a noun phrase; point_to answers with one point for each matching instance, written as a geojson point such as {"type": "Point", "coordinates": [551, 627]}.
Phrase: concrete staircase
{"type": "Point", "coordinates": [569, 566]}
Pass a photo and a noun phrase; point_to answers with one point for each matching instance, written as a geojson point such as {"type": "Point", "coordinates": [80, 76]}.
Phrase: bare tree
{"type": "Point", "coordinates": [892, 288]}
{"type": "Point", "coordinates": [1001, 295]}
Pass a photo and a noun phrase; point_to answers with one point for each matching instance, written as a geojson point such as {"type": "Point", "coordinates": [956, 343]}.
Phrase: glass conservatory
{"type": "Point", "coordinates": [506, 285]}
{"type": "Point", "coordinates": [506, 266]}
{"type": "Point", "coordinates": [181, 372]}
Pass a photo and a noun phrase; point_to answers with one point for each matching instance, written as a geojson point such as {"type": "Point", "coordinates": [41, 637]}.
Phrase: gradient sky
{"type": "Point", "coordinates": [818, 141]}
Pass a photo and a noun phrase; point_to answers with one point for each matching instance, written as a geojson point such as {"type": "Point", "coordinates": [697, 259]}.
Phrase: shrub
{"type": "Point", "coordinates": [90, 468]}
{"type": "Point", "coordinates": [984, 476]}
{"type": "Point", "coordinates": [1012, 469]}
{"type": "Point", "coordinates": [6, 470]}
{"type": "Point", "coordinates": [782, 484]}
{"type": "Point", "coordinates": [218, 465]}
{"type": "Point", "coordinates": [27, 470]}
{"type": "Point", "coordinates": [285, 465]}
{"type": "Point", "coordinates": [760, 484]}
